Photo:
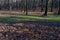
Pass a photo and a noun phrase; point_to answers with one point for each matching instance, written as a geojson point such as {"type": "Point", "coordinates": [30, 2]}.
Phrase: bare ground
{"type": "Point", "coordinates": [19, 12]}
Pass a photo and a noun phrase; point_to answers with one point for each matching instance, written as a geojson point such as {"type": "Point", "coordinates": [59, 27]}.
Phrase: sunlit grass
{"type": "Point", "coordinates": [23, 18]}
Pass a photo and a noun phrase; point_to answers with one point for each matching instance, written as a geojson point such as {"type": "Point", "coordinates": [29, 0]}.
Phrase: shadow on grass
{"type": "Point", "coordinates": [10, 20]}
{"type": "Point", "coordinates": [16, 19]}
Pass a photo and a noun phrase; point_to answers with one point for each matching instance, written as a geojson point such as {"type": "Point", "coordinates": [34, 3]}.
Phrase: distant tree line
{"type": "Point", "coordinates": [30, 5]}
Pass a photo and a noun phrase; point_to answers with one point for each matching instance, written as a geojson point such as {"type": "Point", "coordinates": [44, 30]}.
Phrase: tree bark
{"type": "Point", "coordinates": [52, 6]}
{"type": "Point", "coordinates": [59, 8]}
{"type": "Point", "coordinates": [34, 5]}
{"type": "Point", "coordinates": [26, 8]}
{"type": "Point", "coordinates": [41, 5]}
{"type": "Point", "coordinates": [46, 8]}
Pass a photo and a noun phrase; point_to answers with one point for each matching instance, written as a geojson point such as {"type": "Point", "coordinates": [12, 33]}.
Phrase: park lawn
{"type": "Point", "coordinates": [24, 18]}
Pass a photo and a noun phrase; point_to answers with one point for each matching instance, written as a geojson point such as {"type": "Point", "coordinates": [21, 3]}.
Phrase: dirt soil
{"type": "Point", "coordinates": [32, 30]}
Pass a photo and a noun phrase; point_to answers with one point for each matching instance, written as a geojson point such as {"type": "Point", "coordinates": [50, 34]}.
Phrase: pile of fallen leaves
{"type": "Point", "coordinates": [22, 31]}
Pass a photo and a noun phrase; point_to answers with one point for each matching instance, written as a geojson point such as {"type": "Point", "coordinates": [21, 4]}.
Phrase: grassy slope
{"type": "Point", "coordinates": [19, 18]}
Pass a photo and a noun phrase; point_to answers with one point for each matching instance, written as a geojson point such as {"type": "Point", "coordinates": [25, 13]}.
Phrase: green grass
{"type": "Point", "coordinates": [23, 18]}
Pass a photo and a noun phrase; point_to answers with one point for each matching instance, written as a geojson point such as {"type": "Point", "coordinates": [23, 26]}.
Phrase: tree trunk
{"type": "Point", "coordinates": [34, 5]}
{"type": "Point", "coordinates": [59, 8]}
{"type": "Point", "coordinates": [26, 8]}
{"type": "Point", "coordinates": [10, 5]}
{"type": "Point", "coordinates": [46, 9]}
{"type": "Point", "coordinates": [41, 5]}
{"type": "Point", "coordinates": [52, 6]}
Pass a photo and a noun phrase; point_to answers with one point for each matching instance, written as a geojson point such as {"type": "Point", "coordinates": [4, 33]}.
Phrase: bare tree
{"type": "Point", "coordinates": [22, 5]}
{"type": "Point", "coordinates": [52, 5]}
{"type": "Point", "coordinates": [46, 8]}
{"type": "Point", "coordinates": [34, 5]}
{"type": "Point", "coordinates": [0, 5]}
{"type": "Point", "coordinates": [41, 5]}
{"type": "Point", "coordinates": [10, 5]}
{"type": "Point", "coordinates": [26, 8]}
{"type": "Point", "coordinates": [59, 8]}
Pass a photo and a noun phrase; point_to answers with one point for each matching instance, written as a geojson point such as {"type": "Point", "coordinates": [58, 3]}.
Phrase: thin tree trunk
{"type": "Point", "coordinates": [41, 5]}
{"type": "Point", "coordinates": [34, 5]}
{"type": "Point", "coordinates": [10, 6]}
{"type": "Point", "coordinates": [59, 8]}
{"type": "Point", "coordinates": [52, 6]}
{"type": "Point", "coordinates": [22, 6]}
{"type": "Point", "coordinates": [46, 9]}
{"type": "Point", "coordinates": [26, 8]}
{"type": "Point", "coordinates": [0, 5]}
{"type": "Point", "coordinates": [18, 6]}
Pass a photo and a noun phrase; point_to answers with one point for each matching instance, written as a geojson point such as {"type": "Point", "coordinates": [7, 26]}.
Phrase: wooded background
{"type": "Point", "coordinates": [30, 5]}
